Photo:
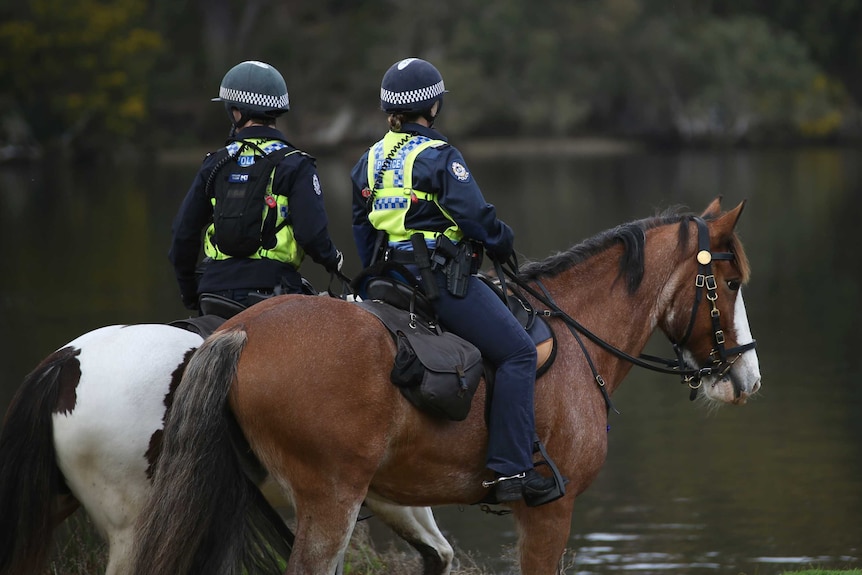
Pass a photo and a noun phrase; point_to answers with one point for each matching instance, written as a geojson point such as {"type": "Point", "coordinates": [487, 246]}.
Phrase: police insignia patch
{"type": "Point", "coordinates": [316, 183]}
{"type": "Point", "coordinates": [460, 172]}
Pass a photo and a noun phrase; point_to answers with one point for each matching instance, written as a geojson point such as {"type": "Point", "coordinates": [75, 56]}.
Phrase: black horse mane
{"type": "Point", "coordinates": [631, 235]}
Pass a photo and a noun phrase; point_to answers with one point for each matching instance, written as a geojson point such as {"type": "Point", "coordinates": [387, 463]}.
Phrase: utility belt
{"type": "Point", "coordinates": [458, 261]}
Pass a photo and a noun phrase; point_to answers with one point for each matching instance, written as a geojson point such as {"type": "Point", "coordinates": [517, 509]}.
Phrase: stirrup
{"type": "Point", "coordinates": [559, 480]}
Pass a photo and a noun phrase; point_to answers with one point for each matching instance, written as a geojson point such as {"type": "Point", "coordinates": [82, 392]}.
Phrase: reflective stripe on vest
{"type": "Point", "coordinates": [395, 193]}
{"type": "Point", "coordinates": [286, 249]}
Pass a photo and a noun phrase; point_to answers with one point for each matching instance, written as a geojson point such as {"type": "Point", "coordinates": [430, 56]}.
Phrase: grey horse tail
{"type": "Point", "coordinates": [205, 515]}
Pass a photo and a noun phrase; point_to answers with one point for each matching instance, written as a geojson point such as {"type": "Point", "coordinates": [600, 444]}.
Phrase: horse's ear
{"type": "Point", "coordinates": [713, 210]}
{"type": "Point", "coordinates": [726, 223]}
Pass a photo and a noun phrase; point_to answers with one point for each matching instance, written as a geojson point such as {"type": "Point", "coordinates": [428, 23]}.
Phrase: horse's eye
{"type": "Point", "coordinates": [733, 284]}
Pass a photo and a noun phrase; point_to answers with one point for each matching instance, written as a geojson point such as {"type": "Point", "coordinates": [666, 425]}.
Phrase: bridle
{"type": "Point", "coordinates": [722, 358]}
{"type": "Point", "coordinates": [705, 285]}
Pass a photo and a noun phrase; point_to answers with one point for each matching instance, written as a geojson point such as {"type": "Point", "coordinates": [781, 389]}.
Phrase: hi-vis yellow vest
{"type": "Point", "coordinates": [286, 249]}
{"type": "Point", "coordinates": [390, 178]}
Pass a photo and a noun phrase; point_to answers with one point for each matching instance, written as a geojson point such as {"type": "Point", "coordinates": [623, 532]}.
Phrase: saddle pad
{"type": "Point", "coordinates": [203, 325]}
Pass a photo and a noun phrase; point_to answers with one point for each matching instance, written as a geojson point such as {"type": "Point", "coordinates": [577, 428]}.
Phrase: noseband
{"type": "Point", "coordinates": [722, 358]}
{"type": "Point", "coordinates": [705, 284]}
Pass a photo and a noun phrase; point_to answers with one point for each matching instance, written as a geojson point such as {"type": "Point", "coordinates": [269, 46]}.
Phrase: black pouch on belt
{"type": "Point", "coordinates": [458, 270]}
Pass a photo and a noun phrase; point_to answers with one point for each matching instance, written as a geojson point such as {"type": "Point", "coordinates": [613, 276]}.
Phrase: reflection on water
{"type": "Point", "coordinates": [686, 548]}
{"type": "Point", "coordinates": [775, 484]}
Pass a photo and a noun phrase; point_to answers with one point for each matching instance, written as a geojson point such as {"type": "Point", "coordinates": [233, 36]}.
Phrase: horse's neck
{"type": "Point", "coordinates": [595, 295]}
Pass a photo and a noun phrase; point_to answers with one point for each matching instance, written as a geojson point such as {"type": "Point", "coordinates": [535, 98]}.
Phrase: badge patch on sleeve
{"type": "Point", "coordinates": [459, 171]}
{"type": "Point", "coordinates": [316, 182]}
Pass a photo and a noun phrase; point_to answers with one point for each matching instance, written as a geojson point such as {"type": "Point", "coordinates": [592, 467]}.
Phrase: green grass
{"type": "Point", "coordinates": [78, 550]}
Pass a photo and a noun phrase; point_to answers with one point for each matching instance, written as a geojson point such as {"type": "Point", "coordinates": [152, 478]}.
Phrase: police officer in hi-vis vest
{"type": "Point", "coordinates": [257, 175]}
{"type": "Point", "coordinates": [417, 188]}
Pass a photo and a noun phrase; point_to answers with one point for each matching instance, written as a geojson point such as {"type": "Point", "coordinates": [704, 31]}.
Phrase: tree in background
{"type": "Point", "coordinates": [713, 79]}
{"type": "Point", "coordinates": [78, 71]}
{"type": "Point", "coordinates": [90, 73]}
{"type": "Point", "coordinates": [828, 28]}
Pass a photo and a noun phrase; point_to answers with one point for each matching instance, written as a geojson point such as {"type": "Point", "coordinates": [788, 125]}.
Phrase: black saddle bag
{"type": "Point", "coordinates": [436, 371]}
{"type": "Point", "coordinates": [438, 374]}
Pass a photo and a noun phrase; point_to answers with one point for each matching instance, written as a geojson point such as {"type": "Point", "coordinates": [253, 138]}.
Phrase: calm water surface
{"type": "Point", "coordinates": [773, 485]}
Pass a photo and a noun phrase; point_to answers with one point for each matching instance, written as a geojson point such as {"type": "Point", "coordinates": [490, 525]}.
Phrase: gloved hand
{"type": "Point", "coordinates": [501, 246]}
{"type": "Point", "coordinates": [335, 266]}
{"type": "Point", "coordinates": [501, 253]}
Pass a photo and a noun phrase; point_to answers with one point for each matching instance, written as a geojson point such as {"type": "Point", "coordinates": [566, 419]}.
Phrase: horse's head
{"type": "Point", "coordinates": [707, 321]}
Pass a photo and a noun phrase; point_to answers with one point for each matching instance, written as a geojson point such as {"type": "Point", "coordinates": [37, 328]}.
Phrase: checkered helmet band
{"type": "Point", "coordinates": [262, 101]}
{"type": "Point", "coordinates": [412, 96]}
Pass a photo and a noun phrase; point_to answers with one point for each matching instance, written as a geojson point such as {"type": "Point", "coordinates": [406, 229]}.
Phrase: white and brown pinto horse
{"type": "Point", "coordinates": [84, 430]}
{"type": "Point", "coordinates": [307, 380]}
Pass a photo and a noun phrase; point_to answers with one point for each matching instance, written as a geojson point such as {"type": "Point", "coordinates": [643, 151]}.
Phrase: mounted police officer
{"type": "Point", "coordinates": [259, 199]}
{"type": "Point", "coordinates": [415, 201]}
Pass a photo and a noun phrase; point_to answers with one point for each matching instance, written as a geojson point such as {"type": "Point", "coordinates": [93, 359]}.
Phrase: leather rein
{"type": "Point", "coordinates": [705, 285]}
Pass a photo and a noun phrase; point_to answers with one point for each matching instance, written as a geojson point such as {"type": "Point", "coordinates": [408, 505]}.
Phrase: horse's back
{"type": "Point", "coordinates": [288, 332]}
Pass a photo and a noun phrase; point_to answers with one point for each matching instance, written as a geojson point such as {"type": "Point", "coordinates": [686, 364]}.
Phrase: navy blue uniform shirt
{"type": "Point", "coordinates": [444, 172]}
{"type": "Point", "coordinates": [295, 177]}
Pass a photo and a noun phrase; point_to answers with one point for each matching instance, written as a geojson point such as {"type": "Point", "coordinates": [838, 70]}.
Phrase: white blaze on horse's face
{"type": "Point", "coordinates": [746, 371]}
{"type": "Point", "coordinates": [744, 376]}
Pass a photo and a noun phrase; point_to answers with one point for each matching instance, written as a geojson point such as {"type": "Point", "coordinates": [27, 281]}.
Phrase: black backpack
{"type": "Point", "coordinates": [240, 226]}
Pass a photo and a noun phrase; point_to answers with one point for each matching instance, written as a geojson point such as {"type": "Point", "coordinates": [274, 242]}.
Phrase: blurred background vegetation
{"type": "Point", "coordinates": [99, 80]}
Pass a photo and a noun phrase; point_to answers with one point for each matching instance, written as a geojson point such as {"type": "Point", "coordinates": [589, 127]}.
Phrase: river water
{"type": "Point", "coordinates": [773, 485]}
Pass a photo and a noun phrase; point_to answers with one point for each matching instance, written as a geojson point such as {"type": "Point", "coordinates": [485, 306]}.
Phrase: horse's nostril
{"type": "Point", "coordinates": [755, 387]}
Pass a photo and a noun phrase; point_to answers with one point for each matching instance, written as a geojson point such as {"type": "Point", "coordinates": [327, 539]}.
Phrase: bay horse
{"type": "Point", "coordinates": [84, 430]}
{"type": "Point", "coordinates": [308, 382]}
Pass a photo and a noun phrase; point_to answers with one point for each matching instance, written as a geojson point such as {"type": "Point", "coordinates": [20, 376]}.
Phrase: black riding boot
{"type": "Point", "coordinates": [530, 485]}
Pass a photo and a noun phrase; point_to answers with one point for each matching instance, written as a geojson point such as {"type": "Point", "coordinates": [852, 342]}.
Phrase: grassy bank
{"type": "Point", "coordinates": [80, 551]}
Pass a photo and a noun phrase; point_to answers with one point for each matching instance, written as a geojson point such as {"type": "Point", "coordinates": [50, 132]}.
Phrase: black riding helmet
{"type": "Point", "coordinates": [412, 86]}
{"type": "Point", "coordinates": [254, 88]}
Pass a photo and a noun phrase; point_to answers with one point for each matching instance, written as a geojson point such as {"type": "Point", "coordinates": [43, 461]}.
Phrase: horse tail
{"type": "Point", "coordinates": [205, 515]}
{"type": "Point", "coordinates": [30, 480]}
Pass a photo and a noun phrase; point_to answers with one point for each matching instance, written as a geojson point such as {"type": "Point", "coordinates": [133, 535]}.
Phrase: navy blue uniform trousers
{"type": "Point", "coordinates": [484, 320]}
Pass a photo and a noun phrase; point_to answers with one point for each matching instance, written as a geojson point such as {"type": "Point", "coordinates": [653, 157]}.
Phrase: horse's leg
{"type": "Point", "coordinates": [112, 497]}
{"type": "Point", "coordinates": [544, 533]}
{"type": "Point", "coordinates": [120, 547]}
{"type": "Point", "coordinates": [326, 496]}
{"type": "Point", "coordinates": [417, 527]}
{"type": "Point", "coordinates": [324, 525]}
{"type": "Point", "coordinates": [326, 493]}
